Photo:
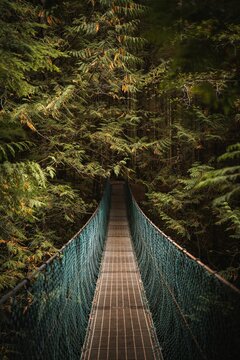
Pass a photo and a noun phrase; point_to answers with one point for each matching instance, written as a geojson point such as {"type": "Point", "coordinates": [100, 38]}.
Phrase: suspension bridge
{"type": "Point", "coordinates": [121, 290]}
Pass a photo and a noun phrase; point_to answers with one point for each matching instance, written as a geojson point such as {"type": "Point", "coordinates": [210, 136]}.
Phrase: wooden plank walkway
{"type": "Point", "coordinates": [120, 325]}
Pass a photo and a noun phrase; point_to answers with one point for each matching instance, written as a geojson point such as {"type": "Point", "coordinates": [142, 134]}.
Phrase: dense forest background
{"type": "Point", "coordinates": [147, 91]}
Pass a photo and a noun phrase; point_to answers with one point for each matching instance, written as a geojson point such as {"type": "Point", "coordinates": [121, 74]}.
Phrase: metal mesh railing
{"type": "Point", "coordinates": [46, 316]}
{"type": "Point", "coordinates": [196, 313]}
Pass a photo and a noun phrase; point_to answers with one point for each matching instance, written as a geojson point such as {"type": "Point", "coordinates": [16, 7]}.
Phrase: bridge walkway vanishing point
{"type": "Point", "coordinates": [195, 311]}
{"type": "Point", "coordinates": [120, 325]}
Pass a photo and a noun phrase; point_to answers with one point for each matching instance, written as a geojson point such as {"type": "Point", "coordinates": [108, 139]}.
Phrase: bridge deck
{"type": "Point", "coordinates": [120, 325]}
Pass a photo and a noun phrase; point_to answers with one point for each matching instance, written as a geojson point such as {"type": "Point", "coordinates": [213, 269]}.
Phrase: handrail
{"type": "Point", "coordinates": [26, 282]}
{"type": "Point", "coordinates": [180, 248]}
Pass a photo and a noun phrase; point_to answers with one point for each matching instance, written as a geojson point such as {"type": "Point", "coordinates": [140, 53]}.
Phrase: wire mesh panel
{"type": "Point", "coordinates": [195, 312]}
{"type": "Point", "coordinates": [47, 318]}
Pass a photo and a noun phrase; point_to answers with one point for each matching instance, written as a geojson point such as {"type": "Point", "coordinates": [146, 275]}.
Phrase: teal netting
{"type": "Point", "coordinates": [47, 319]}
{"type": "Point", "coordinates": [196, 314]}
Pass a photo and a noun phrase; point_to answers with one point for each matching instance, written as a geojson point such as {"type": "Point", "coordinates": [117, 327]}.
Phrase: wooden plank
{"type": "Point", "coordinates": [120, 325]}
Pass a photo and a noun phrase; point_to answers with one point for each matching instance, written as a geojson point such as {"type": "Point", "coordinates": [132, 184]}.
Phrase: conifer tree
{"type": "Point", "coordinates": [193, 102]}
{"type": "Point", "coordinates": [108, 72]}
{"type": "Point", "coordinates": [30, 67]}
{"type": "Point", "coordinates": [83, 96]}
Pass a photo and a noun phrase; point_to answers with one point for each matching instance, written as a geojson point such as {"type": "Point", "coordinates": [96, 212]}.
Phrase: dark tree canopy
{"type": "Point", "coordinates": [143, 90]}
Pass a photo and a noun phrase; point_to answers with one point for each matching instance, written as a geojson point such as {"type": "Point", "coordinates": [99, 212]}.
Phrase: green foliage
{"type": "Point", "coordinates": [22, 186]}
{"type": "Point", "coordinates": [208, 197]}
{"type": "Point", "coordinates": [24, 53]}
{"type": "Point", "coordinates": [84, 96]}
{"type": "Point", "coordinates": [69, 73]}
{"type": "Point", "coordinates": [13, 140]}
{"type": "Point", "coordinates": [191, 85]}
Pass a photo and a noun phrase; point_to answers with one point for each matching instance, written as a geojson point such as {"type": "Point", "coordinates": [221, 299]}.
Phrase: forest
{"type": "Point", "coordinates": [147, 91]}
